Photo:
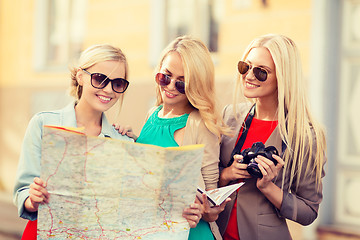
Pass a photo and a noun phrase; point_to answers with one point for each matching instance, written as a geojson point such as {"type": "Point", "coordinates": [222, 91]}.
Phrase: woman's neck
{"type": "Point", "coordinates": [170, 111]}
{"type": "Point", "coordinates": [266, 110]}
{"type": "Point", "coordinates": [88, 118]}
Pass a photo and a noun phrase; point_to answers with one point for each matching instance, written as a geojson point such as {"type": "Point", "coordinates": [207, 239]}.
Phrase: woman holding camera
{"type": "Point", "coordinates": [277, 114]}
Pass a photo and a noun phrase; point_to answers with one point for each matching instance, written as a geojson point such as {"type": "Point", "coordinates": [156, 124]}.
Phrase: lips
{"type": "Point", "coordinates": [169, 95]}
{"type": "Point", "coordinates": [251, 85]}
{"type": "Point", "coordinates": [104, 99]}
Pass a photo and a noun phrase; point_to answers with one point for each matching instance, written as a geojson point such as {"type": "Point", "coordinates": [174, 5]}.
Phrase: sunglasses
{"type": "Point", "coordinates": [164, 80]}
{"type": "Point", "coordinates": [259, 72]}
{"type": "Point", "coordinates": [100, 81]}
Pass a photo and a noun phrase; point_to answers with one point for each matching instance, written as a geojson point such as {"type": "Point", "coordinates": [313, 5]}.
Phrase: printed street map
{"type": "Point", "coordinates": [102, 188]}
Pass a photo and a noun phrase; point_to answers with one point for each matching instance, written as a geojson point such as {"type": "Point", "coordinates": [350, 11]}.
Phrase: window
{"type": "Point", "coordinates": [59, 32]}
{"type": "Point", "coordinates": [348, 168]}
{"type": "Point", "coordinates": [173, 18]}
{"type": "Point", "coordinates": [197, 18]}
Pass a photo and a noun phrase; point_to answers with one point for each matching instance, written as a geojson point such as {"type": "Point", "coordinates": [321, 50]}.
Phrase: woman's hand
{"type": "Point", "coordinates": [38, 195]}
{"type": "Point", "coordinates": [268, 169]}
{"type": "Point", "coordinates": [125, 130]}
{"type": "Point", "coordinates": [236, 171]}
{"type": "Point", "coordinates": [210, 214]}
{"type": "Point", "coordinates": [192, 214]}
{"type": "Point", "coordinates": [272, 192]}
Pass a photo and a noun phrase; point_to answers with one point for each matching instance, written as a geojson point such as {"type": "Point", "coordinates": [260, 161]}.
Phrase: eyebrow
{"type": "Point", "coordinates": [170, 73]}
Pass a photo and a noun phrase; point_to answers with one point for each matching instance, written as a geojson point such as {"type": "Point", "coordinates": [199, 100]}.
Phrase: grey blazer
{"type": "Point", "coordinates": [257, 218]}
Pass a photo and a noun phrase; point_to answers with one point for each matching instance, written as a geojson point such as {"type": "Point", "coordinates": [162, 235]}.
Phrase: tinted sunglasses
{"type": "Point", "coordinates": [259, 72]}
{"type": "Point", "coordinates": [164, 80]}
{"type": "Point", "coordinates": [100, 81]}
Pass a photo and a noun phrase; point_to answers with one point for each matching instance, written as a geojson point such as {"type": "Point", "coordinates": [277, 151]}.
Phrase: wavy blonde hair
{"type": "Point", "coordinates": [199, 81]}
{"type": "Point", "coordinates": [91, 56]}
{"type": "Point", "coordinates": [301, 133]}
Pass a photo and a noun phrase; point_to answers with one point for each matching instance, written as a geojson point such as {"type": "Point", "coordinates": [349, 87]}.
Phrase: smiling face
{"type": "Point", "coordinates": [253, 88]}
{"type": "Point", "coordinates": [100, 100]}
{"type": "Point", "coordinates": [173, 67]}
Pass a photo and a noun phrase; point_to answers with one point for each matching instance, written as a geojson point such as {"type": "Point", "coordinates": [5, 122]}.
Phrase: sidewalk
{"type": "Point", "coordinates": [11, 226]}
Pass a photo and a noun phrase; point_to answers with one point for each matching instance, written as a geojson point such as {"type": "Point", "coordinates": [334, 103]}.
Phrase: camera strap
{"type": "Point", "coordinates": [244, 128]}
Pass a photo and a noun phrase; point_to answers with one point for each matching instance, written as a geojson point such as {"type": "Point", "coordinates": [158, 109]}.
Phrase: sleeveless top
{"type": "Point", "coordinates": [160, 132]}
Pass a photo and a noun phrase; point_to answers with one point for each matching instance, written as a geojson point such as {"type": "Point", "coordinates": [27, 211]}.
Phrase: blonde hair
{"type": "Point", "coordinates": [301, 133]}
{"type": "Point", "coordinates": [199, 80]}
{"type": "Point", "coordinates": [91, 56]}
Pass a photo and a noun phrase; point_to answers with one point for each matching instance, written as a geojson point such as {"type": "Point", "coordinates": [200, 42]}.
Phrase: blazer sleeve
{"type": "Point", "coordinates": [29, 166]}
{"type": "Point", "coordinates": [301, 204]}
{"type": "Point", "coordinates": [197, 133]}
{"type": "Point", "coordinates": [210, 163]}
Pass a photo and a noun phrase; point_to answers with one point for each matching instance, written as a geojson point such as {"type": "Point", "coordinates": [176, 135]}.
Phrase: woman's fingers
{"type": "Point", "coordinates": [238, 168]}
{"type": "Point", "coordinates": [238, 158]}
{"type": "Point", "coordinates": [192, 214]}
{"type": "Point", "coordinates": [39, 181]}
{"type": "Point", "coordinates": [127, 129]}
{"type": "Point", "coordinates": [38, 191]}
{"type": "Point", "coordinates": [280, 161]}
{"type": "Point", "coordinates": [206, 205]}
{"type": "Point", "coordinates": [222, 205]}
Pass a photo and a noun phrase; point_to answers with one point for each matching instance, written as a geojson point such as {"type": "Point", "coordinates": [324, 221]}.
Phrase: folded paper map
{"type": "Point", "coordinates": [103, 188]}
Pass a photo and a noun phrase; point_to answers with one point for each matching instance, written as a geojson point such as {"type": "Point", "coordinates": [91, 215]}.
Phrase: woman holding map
{"type": "Point", "coordinates": [186, 114]}
{"type": "Point", "coordinates": [284, 180]}
{"type": "Point", "coordinates": [97, 83]}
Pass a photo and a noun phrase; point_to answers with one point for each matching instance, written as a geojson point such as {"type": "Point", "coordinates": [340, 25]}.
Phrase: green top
{"type": "Point", "coordinates": [160, 132]}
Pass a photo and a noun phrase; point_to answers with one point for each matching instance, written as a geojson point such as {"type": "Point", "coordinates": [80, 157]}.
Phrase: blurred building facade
{"type": "Point", "coordinates": [40, 38]}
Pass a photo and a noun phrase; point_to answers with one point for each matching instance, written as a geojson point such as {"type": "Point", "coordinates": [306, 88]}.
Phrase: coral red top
{"type": "Point", "coordinates": [259, 131]}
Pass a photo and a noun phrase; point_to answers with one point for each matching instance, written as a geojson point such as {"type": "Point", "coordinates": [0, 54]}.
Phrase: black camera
{"type": "Point", "coordinates": [249, 155]}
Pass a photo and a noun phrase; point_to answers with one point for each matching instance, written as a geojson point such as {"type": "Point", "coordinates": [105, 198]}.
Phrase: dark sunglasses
{"type": "Point", "coordinates": [164, 80]}
{"type": "Point", "coordinates": [100, 81]}
{"type": "Point", "coordinates": [259, 72]}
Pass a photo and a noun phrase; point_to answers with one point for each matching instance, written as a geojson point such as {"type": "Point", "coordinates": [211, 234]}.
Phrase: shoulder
{"type": "Point", "coordinates": [238, 108]}
{"type": "Point", "coordinates": [152, 111]}
{"type": "Point", "coordinates": [195, 115]}
{"type": "Point", "coordinates": [48, 114]}
{"type": "Point", "coordinates": [196, 128]}
{"type": "Point", "coordinates": [233, 112]}
{"type": "Point", "coordinates": [108, 130]}
{"type": "Point", "coordinates": [195, 119]}
{"type": "Point", "coordinates": [197, 124]}
{"type": "Point", "coordinates": [48, 117]}
{"type": "Point", "coordinates": [38, 121]}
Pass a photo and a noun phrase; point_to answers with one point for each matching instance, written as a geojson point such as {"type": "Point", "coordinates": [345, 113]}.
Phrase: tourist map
{"type": "Point", "coordinates": [103, 188]}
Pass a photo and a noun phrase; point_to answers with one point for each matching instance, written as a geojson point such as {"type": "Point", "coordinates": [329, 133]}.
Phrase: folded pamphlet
{"type": "Point", "coordinates": [219, 195]}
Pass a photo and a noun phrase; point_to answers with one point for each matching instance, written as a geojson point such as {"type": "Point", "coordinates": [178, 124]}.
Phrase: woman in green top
{"type": "Point", "coordinates": [186, 113]}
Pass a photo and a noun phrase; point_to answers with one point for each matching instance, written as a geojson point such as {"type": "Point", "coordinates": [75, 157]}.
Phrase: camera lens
{"type": "Point", "coordinates": [254, 170]}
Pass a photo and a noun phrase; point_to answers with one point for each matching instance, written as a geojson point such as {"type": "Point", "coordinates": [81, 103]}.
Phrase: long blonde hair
{"type": "Point", "coordinates": [199, 80]}
{"type": "Point", "coordinates": [91, 56]}
{"type": "Point", "coordinates": [301, 133]}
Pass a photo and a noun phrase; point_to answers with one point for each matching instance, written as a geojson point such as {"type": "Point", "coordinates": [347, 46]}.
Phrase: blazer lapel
{"type": "Point", "coordinates": [275, 140]}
